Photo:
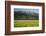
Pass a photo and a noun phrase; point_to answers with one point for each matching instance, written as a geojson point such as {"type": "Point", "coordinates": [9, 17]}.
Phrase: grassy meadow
{"type": "Point", "coordinates": [26, 23]}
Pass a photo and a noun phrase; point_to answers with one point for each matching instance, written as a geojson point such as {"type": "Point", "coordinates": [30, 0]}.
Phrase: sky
{"type": "Point", "coordinates": [27, 9]}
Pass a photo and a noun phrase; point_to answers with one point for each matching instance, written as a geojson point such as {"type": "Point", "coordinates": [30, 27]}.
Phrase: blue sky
{"type": "Point", "coordinates": [27, 9]}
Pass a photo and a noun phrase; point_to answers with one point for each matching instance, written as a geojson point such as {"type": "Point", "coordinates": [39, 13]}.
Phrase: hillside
{"type": "Point", "coordinates": [18, 15]}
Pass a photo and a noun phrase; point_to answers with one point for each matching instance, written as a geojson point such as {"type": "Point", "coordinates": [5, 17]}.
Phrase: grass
{"type": "Point", "coordinates": [26, 23]}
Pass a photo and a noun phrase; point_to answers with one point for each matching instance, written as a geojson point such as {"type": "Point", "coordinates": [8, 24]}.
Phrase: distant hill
{"type": "Point", "coordinates": [25, 15]}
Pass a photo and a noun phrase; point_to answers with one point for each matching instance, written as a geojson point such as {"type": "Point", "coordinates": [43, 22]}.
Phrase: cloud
{"type": "Point", "coordinates": [27, 10]}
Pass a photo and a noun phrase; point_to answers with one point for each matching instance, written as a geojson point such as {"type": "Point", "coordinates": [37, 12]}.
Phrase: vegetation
{"type": "Point", "coordinates": [19, 15]}
{"type": "Point", "coordinates": [26, 23]}
{"type": "Point", "coordinates": [25, 19]}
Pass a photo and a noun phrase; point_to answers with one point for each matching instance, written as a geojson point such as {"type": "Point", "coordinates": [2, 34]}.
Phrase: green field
{"type": "Point", "coordinates": [26, 23]}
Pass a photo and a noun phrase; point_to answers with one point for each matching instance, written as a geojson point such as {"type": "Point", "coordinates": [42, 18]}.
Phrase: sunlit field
{"type": "Point", "coordinates": [26, 23]}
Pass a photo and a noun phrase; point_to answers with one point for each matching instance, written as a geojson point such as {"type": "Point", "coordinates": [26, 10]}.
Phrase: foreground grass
{"type": "Point", "coordinates": [26, 23]}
